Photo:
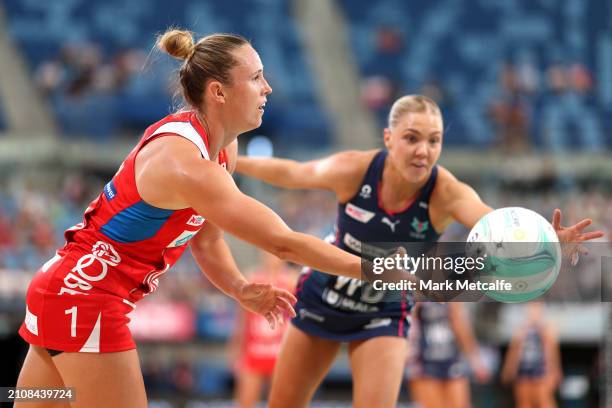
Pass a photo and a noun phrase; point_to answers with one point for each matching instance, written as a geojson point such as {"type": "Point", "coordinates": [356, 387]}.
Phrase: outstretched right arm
{"type": "Point", "coordinates": [341, 172]}
{"type": "Point", "coordinates": [203, 185]}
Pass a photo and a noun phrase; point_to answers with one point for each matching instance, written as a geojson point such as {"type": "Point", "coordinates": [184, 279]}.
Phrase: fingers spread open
{"type": "Point", "coordinates": [582, 224]}
{"type": "Point", "coordinates": [290, 297]}
{"type": "Point", "coordinates": [285, 305]}
{"type": "Point", "coordinates": [587, 236]}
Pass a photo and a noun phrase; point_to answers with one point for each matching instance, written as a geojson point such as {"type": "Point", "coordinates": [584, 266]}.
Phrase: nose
{"type": "Point", "coordinates": [267, 87]}
{"type": "Point", "coordinates": [421, 150]}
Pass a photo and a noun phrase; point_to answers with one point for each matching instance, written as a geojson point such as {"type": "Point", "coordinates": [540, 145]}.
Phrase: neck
{"type": "Point", "coordinates": [219, 136]}
{"type": "Point", "coordinates": [396, 190]}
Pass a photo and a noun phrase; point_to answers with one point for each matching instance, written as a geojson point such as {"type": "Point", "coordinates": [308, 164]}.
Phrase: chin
{"type": "Point", "coordinates": [256, 123]}
{"type": "Point", "coordinates": [419, 177]}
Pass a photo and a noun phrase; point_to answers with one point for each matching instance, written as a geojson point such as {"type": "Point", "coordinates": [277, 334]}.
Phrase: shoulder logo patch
{"type": "Point", "coordinates": [366, 191]}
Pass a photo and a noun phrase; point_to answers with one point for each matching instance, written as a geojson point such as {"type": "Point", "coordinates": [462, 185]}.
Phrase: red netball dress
{"type": "Point", "coordinates": [79, 299]}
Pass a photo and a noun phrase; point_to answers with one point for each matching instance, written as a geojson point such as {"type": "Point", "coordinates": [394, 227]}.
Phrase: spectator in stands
{"type": "Point", "coordinates": [569, 109]}
{"type": "Point", "coordinates": [509, 112]}
{"type": "Point", "coordinates": [382, 73]}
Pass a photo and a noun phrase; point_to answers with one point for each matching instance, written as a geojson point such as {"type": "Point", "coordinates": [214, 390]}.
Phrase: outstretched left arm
{"type": "Point", "coordinates": [466, 207]}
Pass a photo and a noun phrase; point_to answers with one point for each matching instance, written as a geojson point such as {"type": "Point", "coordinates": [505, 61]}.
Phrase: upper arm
{"type": "Point", "coordinates": [207, 235]}
{"type": "Point", "coordinates": [340, 173]}
{"type": "Point", "coordinates": [208, 189]}
{"type": "Point", "coordinates": [175, 175]}
{"type": "Point", "coordinates": [462, 203]}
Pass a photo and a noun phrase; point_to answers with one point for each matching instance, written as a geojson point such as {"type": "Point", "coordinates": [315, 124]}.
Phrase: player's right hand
{"type": "Point", "coordinates": [271, 302]}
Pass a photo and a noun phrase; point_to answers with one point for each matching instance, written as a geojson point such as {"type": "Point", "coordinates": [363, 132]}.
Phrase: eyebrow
{"type": "Point", "coordinates": [437, 132]}
{"type": "Point", "coordinates": [259, 71]}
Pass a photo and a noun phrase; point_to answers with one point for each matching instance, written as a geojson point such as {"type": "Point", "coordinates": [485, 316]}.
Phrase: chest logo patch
{"type": "Point", "coordinates": [358, 213]}
{"type": "Point", "coordinates": [419, 226]}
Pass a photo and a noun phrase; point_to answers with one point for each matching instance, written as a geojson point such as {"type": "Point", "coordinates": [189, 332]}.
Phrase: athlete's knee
{"type": "Point", "coordinates": [285, 395]}
{"type": "Point", "coordinates": [370, 399]}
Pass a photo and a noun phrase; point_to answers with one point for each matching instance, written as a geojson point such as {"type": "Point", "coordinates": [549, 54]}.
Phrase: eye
{"type": "Point", "coordinates": [434, 141]}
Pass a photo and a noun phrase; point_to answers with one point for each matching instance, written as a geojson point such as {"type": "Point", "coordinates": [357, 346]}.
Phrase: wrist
{"type": "Point", "coordinates": [237, 287]}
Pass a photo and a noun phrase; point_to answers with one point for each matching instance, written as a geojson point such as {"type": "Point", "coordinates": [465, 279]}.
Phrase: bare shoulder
{"type": "Point", "coordinates": [446, 184]}
{"type": "Point", "coordinates": [448, 187]}
{"type": "Point", "coordinates": [162, 164]}
{"type": "Point", "coordinates": [348, 170]}
{"type": "Point", "coordinates": [352, 162]}
{"type": "Point", "coordinates": [172, 150]}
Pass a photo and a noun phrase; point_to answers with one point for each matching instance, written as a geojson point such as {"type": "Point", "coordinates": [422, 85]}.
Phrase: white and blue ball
{"type": "Point", "coordinates": [520, 247]}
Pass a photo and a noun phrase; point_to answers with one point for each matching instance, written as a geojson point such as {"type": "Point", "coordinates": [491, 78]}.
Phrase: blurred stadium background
{"type": "Point", "coordinates": [525, 87]}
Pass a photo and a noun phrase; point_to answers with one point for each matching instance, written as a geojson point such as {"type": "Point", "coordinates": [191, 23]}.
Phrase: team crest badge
{"type": "Point", "coordinates": [419, 226]}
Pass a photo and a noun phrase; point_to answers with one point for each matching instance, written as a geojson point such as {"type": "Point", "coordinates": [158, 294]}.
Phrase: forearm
{"type": "Point", "coordinates": [307, 250]}
{"type": "Point", "coordinates": [217, 264]}
{"type": "Point", "coordinates": [277, 172]}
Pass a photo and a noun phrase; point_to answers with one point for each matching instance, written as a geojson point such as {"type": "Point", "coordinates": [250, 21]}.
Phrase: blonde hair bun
{"type": "Point", "coordinates": [178, 43]}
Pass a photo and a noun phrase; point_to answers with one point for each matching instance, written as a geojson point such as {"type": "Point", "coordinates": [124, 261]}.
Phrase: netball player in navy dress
{"type": "Point", "coordinates": [395, 194]}
{"type": "Point", "coordinates": [533, 362]}
{"type": "Point", "coordinates": [442, 352]}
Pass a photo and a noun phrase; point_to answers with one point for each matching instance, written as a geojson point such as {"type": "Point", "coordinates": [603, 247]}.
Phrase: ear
{"type": "Point", "coordinates": [215, 91]}
{"type": "Point", "coordinates": [387, 138]}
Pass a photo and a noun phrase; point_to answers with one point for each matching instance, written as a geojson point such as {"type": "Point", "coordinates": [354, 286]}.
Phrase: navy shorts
{"type": "Point", "coordinates": [320, 321]}
{"type": "Point", "coordinates": [440, 370]}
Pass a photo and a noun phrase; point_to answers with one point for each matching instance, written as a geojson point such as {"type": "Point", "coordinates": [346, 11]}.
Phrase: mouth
{"type": "Point", "coordinates": [262, 107]}
{"type": "Point", "coordinates": [419, 165]}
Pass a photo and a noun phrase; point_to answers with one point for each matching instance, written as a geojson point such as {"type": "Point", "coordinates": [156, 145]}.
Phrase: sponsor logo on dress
{"type": "Point", "coordinates": [352, 242]}
{"type": "Point", "coordinates": [90, 268]}
{"type": "Point", "coordinates": [304, 313]}
{"type": "Point", "coordinates": [196, 220]}
{"type": "Point", "coordinates": [358, 213]}
{"type": "Point", "coordinates": [366, 191]}
{"type": "Point", "coordinates": [390, 223]}
{"type": "Point", "coordinates": [182, 239]}
{"type": "Point", "coordinates": [378, 322]}
{"type": "Point", "coordinates": [109, 190]}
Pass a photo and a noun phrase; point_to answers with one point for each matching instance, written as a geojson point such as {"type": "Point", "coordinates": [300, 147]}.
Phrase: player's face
{"type": "Point", "coordinates": [415, 144]}
{"type": "Point", "coordinates": [247, 95]}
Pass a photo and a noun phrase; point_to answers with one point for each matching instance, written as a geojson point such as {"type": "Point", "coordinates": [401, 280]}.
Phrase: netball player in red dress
{"type": "Point", "coordinates": [174, 189]}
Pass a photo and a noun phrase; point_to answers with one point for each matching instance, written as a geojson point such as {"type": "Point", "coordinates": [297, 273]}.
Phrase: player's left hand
{"type": "Point", "coordinates": [270, 302]}
{"type": "Point", "coordinates": [573, 233]}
